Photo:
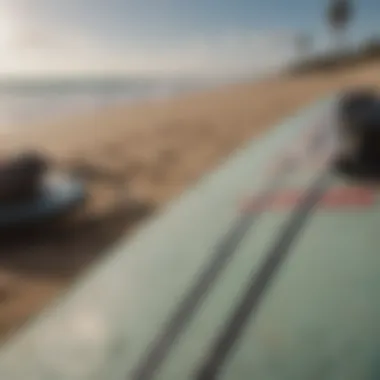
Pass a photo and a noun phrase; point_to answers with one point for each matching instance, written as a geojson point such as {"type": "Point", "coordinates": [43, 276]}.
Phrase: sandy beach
{"type": "Point", "coordinates": [148, 153]}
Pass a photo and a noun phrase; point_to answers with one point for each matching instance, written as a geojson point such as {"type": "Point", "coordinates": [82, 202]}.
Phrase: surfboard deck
{"type": "Point", "coordinates": [255, 273]}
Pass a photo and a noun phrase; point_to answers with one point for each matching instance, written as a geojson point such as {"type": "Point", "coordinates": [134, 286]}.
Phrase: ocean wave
{"type": "Point", "coordinates": [28, 101]}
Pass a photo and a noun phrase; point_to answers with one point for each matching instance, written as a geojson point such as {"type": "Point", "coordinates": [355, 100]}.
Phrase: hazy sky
{"type": "Point", "coordinates": [165, 36]}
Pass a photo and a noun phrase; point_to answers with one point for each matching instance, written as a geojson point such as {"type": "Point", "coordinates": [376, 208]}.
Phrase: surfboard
{"type": "Point", "coordinates": [58, 194]}
{"type": "Point", "coordinates": [269, 268]}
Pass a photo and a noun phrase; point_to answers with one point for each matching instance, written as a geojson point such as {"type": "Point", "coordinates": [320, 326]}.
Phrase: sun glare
{"type": "Point", "coordinates": [7, 32]}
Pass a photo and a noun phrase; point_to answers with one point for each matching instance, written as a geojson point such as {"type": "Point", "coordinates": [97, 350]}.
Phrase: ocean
{"type": "Point", "coordinates": [23, 101]}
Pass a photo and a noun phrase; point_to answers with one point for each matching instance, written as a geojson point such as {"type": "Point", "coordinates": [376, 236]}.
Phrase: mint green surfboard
{"type": "Point", "coordinates": [268, 269]}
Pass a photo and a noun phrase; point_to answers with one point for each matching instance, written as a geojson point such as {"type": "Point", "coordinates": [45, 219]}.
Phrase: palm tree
{"type": "Point", "coordinates": [339, 14]}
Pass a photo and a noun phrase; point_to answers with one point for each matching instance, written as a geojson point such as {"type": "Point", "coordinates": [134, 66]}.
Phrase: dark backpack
{"type": "Point", "coordinates": [21, 177]}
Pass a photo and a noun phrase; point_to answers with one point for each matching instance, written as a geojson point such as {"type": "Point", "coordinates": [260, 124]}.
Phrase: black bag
{"type": "Point", "coordinates": [21, 178]}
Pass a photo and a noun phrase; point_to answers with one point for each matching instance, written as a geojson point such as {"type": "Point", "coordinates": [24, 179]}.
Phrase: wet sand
{"type": "Point", "coordinates": [137, 158]}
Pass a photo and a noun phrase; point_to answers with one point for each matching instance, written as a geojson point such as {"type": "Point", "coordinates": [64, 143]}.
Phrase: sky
{"type": "Point", "coordinates": [164, 37]}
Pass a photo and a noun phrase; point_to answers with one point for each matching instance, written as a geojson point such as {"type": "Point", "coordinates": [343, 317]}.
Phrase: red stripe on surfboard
{"type": "Point", "coordinates": [336, 198]}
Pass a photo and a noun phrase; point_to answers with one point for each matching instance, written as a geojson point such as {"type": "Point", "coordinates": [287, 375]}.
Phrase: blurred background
{"type": "Point", "coordinates": [59, 56]}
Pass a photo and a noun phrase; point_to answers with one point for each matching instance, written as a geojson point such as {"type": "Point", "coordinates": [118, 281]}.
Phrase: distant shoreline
{"type": "Point", "coordinates": [44, 100]}
{"type": "Point", "coordinates": [34, 101]}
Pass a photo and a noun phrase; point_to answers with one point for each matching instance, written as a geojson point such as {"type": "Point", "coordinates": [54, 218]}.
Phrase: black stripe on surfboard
{"type": "Point", "coordinates": [224, 252]}
{"type": "Point", "coordinates": [250, 301]}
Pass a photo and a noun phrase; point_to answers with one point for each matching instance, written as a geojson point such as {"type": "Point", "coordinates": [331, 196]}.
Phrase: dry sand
{"type": "Point", "coordinates": [151, 152]}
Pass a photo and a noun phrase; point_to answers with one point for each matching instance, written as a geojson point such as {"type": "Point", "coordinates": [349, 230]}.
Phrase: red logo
{"type": "Point", "coordinates": [336, 198]}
